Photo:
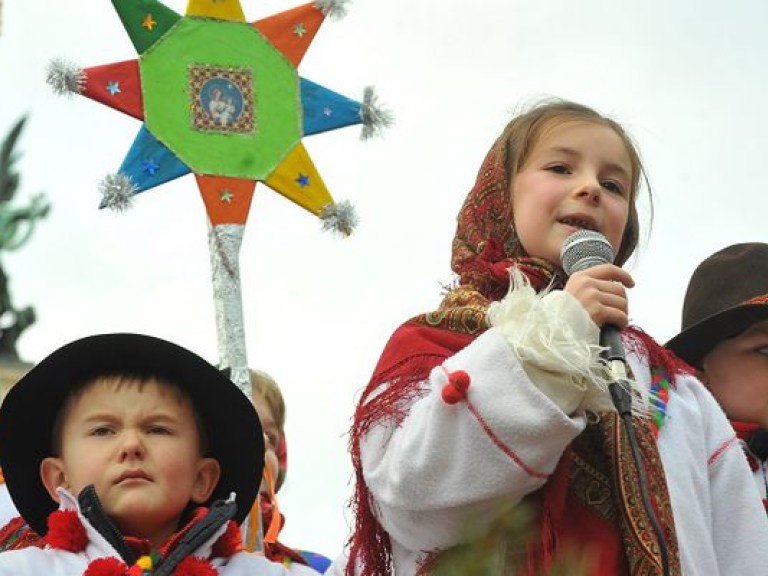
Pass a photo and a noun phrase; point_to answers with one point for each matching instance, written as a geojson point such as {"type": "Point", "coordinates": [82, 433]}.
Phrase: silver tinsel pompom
{"type": "Point", "coordinates": [65, 77]}
{"type": "Point", "coordinates": [374, 117]}
{"type": "Point", "coordinates": [334, 8]}
{"type": "Point", "coordinates": [117, 192]}
{"type": "Point", "coordinates": [340, 218]}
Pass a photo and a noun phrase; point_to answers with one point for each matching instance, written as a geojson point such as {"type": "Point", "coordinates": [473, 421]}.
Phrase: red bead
{"type": "Point", "coordinates": [452, 395]}
{"type": "Point", "coordinates": [456, 389]}
{"type": "Point", "coordinates": [459, 379]}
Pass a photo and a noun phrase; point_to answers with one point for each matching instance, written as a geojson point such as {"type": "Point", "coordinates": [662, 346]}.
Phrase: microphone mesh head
{"type": "Point", "coordinates": [584, 249]}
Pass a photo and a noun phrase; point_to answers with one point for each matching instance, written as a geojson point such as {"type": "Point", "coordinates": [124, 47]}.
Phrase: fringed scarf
{"type": "Point", "coordinates": [595, 481]}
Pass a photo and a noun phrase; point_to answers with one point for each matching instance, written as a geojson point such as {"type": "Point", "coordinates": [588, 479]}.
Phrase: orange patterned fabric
{"type": "Point", "coordinates": [484, 248]}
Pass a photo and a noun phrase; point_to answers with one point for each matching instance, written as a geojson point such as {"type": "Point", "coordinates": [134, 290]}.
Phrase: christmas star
{"type": "Point", "coordinates": [221, 98]}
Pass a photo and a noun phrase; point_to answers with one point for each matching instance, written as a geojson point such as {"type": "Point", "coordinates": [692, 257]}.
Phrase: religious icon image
{"type": "Point", "coordinates": [223, 99]}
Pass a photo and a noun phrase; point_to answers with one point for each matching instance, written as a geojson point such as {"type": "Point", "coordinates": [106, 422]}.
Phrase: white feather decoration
{"type": "Point", "coordinates": [340, 217]}
{"type": "Point", "coordinates": [117, 192]}
{"type": "Point", "coordinates": [65, 77]}
{"type": "Point", "coordinates": [334, 8]}
{"type": "Point", "coordinates": [375, 118]}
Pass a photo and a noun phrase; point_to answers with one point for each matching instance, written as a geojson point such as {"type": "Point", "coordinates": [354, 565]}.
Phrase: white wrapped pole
{"type": "Point", "coordinates": [224, 241]}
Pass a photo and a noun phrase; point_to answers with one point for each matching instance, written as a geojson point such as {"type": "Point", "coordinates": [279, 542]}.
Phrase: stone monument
{"type": "Point", "coordinates": [16, 226]}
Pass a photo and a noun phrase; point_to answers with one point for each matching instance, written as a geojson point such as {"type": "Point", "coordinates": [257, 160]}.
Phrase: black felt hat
{"type": "Point", "coordinates": [728, 292]}
{"type": "Point", "coordinates": [231, 425]}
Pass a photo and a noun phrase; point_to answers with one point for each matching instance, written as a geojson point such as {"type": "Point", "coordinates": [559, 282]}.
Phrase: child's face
{"type": "Point", "coordinates": [140, 446]}
{"type": "Point", "coordinates": [736, 372]}
{"type": "Point", "coordinates": [271, 436]}
{"type": "Point", "coordinates": [577, 175]}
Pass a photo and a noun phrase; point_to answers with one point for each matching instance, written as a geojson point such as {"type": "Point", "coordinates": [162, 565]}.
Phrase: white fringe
{"type": "Point", "coordinates": [535, 326]}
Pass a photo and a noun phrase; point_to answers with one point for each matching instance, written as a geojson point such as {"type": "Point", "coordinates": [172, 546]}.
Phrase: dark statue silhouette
{"type": "Point", "coordinates": [16, 227]}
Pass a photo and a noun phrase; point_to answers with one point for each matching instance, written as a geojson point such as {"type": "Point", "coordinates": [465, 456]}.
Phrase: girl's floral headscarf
{"type": "Point", "coordinates": [484, 248]}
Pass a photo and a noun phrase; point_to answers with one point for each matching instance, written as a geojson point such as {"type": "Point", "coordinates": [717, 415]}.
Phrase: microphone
{"type": "Point", "coordinates": [584, 249]}
{"type": "Point", "coordinates": [581, 250]}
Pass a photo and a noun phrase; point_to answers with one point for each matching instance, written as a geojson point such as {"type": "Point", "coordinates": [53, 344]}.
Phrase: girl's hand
{"type": "Point", "coordinates": [602, 291]}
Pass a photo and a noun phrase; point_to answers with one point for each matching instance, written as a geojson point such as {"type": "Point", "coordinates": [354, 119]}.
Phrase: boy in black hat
{"type": "Point", "coordinates": [725, 336]}
{"type": "Point", "coordinates": [131, 455]}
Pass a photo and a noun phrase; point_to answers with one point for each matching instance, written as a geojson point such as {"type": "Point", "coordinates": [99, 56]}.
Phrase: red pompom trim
{"type": "Point", "coordinates": [65, 531]}
{"type": "Point", "coordinates": [106, 567]}
{"type": "Point", "coordinates": [456, 389]}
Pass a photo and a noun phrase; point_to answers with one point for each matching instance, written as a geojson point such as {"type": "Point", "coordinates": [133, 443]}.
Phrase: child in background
{"type": "Point", "coordinates": [724, 335]}
{"type": "Point", "coordinates": [499, 396]}
{"type": "Point", "coordinates": [270, 405]}
{"type": "Point", "coordinates": [130, 454]}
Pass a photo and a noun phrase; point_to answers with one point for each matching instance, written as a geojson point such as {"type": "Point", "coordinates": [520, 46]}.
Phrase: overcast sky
{"type": "Point", "coordinates": [687, 79]}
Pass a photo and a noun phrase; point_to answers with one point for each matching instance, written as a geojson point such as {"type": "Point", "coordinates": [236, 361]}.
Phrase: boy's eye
{"type": "Point", "coordinates": [762, 350]}
{"type": "Point", "coordinates": [160, 430]}
{"type": "Point", "coordinates": [102, 431]}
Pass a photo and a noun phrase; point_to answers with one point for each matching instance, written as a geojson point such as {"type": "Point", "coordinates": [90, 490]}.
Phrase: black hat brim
{"type": "Point", "coordinates": [695, 342]}
{"type": "Point", "coordinates": [232, 428]}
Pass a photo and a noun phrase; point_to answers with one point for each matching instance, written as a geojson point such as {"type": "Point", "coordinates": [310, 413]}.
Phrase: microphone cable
{"type": "Point", "coordinates": [622, 400]}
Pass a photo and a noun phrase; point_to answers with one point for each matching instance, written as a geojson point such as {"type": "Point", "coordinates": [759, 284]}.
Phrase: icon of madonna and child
{"type": "Point", "coordinates": [222, 100]}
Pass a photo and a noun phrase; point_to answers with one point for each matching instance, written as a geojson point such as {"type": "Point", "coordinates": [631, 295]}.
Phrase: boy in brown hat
{"type": "Point", "coordinates": [725, 336]}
